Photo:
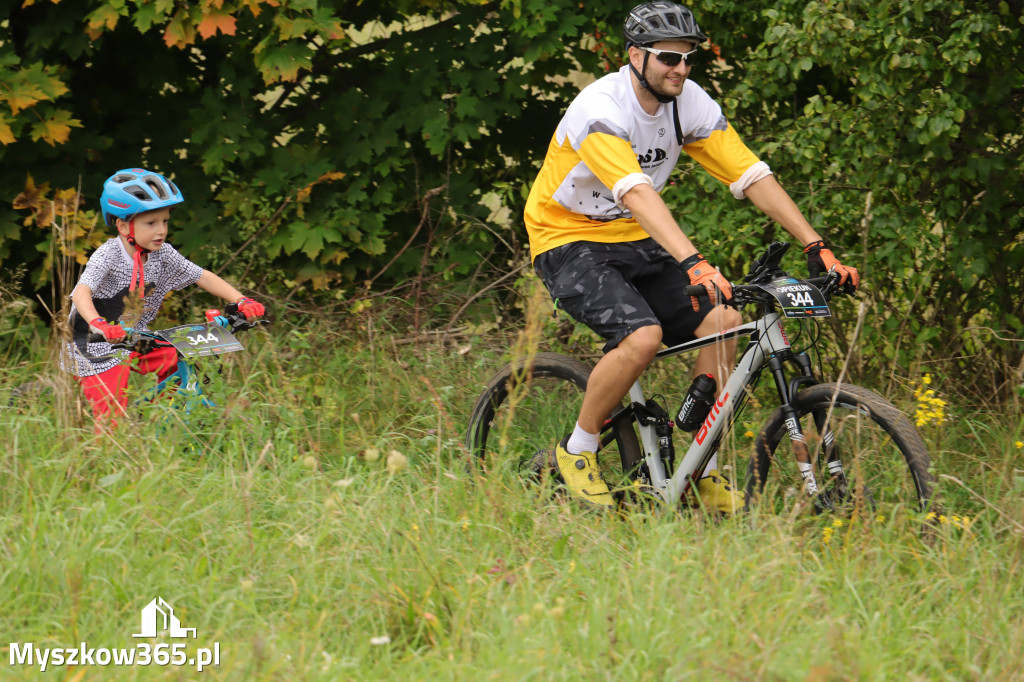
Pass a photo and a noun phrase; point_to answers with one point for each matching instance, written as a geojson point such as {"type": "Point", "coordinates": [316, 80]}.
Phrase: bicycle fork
{"type": "Point", "coordinates": [805, 464]}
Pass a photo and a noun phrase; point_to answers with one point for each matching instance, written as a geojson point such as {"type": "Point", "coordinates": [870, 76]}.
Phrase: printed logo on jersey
{"type": "Point", "coordinates": [652, 158]}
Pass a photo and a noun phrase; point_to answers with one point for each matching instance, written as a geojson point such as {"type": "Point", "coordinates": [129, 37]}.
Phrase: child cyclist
{"type": "Point", "coordinates": [137, 262]}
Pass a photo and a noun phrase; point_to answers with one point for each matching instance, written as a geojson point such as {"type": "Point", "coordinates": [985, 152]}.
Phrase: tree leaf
{"type": "Point", "coordinates": [6, 134]}
{"type": "Point", "coordinates": [103, 17]}
{"type": "Point", "coordinates": [179, 32]}
{"type": "Point", "coordinates": [55, 128]}
{"type": "Point", "coordinates": [212, 23]}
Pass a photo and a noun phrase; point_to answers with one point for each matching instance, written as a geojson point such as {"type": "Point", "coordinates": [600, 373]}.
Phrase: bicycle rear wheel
{"type": "Point", "coordinates": [530, 405]}
{"type": "Point", "coordinates": [29, 394]}
{"type": "Point", "coordinates": [884, 463]}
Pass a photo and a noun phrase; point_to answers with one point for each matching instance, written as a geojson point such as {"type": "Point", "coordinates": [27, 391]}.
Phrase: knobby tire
{"type": "Point", "coordinates": [882, 453]}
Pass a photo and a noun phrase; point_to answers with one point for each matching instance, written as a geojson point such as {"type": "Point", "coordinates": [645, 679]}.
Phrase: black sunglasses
{"type": "Point", "coordinates": [670, 57]}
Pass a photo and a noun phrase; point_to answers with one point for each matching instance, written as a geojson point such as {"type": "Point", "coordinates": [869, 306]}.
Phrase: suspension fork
{"type": "Point", "coordinates": [830, 456]}
{"type": "Point", "coordinates": [776, 364]}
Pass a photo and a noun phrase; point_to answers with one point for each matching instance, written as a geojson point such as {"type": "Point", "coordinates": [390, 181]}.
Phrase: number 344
{"type": "Point", "coordinates": [801, 299]}
{"type": "Point", "coordinates": [199, 339]}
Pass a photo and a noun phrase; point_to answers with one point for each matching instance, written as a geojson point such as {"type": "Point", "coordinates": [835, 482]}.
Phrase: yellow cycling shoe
{"type": "Point", "coordinates": [582, 476]}
{"type": "Point", "coordinates": [716, 492]}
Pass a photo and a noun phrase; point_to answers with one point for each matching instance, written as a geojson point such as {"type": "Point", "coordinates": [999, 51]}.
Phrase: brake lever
{"type": "Point", "coordinates": [831, 285]}
{"type": "Point", "coordinates": [242, 323]}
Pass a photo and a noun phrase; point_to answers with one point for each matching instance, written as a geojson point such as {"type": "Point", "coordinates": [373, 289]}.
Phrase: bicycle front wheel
{"type": "Point", "coordinates": [868, 457]}
{"type": "Point", "coordinates": [530, 406]}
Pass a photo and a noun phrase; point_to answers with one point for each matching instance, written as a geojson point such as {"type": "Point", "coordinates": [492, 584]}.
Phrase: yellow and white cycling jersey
{"type": "Point", "coordinates": [606, 144]}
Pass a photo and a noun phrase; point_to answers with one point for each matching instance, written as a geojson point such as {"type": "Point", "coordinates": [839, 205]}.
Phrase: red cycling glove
{"type": "Point", "coordinates": [250, 308]}
{"type": "Point", "coordinates": [700, 272]}
{"type": "Point", "coordinates": [821, 260]}
{"type": "Point", "coordinates": [111, 332]}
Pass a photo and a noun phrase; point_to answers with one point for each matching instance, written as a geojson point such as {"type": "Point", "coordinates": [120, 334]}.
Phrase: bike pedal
{"type": "Point", "coordinates": [823, 503]}
{"type": "Point", "coordinates": [540, 462]}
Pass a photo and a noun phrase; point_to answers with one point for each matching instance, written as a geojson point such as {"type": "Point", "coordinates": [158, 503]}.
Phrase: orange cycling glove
{"type": "Point", "coordinates": [700, 272]}
{"type": "Point", "coordinates": [250, 308]}
{"type": "Point", "coordinates": [821, 260]}
{"type": "Point", "coordinates": [111, 332]}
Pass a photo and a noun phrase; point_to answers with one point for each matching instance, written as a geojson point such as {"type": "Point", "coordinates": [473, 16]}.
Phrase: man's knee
{"type": "Point", "coordinates": [720, 319]}
{"type": "Point", "coordinates": [643, 343]}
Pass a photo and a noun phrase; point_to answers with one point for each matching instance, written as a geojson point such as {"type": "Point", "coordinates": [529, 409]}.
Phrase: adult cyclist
{"type": "Point", "coordinates": [608, 249]}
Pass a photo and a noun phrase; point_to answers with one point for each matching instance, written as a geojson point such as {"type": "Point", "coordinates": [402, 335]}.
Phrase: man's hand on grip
{"type": "Point", "coordinates": [701, 273]}
{"type": "Point", "coordinates": [821, 260]}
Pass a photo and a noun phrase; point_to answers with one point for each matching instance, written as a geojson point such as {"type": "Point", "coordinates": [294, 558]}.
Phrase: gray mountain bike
{"type": "Point", "coordinates": [863, 454]}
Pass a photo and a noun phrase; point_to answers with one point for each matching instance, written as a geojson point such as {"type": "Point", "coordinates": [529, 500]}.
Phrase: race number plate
{"type": "Point", "coordinates": [797, 298]}
{"type": "Point", "coordinates": [194, 340]}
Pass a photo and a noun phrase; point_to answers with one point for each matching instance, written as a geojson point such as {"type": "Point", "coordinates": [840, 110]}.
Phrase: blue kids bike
{"type": "Point", "coordinates": [215, 337]}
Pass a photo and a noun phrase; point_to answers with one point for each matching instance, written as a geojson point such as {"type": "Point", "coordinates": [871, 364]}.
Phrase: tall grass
{"type": "Point", "coordinates": [299, 540]}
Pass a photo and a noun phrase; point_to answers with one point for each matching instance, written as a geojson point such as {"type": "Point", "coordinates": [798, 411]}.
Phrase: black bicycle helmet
{"type": "Point", "coordinates": [653, 21]}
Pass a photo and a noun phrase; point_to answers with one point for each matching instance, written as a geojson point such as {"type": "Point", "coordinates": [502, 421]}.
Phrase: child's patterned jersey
{"type": "Point", "coordinates": [108, 274]}
{"type": "Point", "coordinates": [606, 144]}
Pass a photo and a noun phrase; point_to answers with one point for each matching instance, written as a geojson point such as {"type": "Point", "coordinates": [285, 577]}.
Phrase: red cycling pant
{"type": "Point", "coordinates": [106, 391]}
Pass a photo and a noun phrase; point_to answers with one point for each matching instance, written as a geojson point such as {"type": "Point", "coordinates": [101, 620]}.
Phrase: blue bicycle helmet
{"type": "Point", "coordinates": [135, 190]}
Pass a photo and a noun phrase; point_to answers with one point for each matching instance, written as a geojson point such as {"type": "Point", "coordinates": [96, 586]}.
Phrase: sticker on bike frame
{"type": "Point", "coordinates": [194, 340]}
{"type": "Point", "coordinates": [797, 298]}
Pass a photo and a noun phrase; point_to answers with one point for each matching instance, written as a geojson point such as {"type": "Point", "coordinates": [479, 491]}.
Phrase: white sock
{"type": "Point", "coordinates": [712, 464]}
{"type": "Point", "coordinates": [582, 441]}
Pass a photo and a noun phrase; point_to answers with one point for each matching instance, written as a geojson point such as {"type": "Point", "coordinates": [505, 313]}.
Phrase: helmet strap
{"type": "Point", "coordinates": [137, 264]}
{"type": "Point", "coordinates": [664, 99]}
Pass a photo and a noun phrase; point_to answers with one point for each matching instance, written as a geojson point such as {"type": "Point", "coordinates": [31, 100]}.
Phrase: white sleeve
{"type": "Point", "coordinates": [756, 172]}
{"type": "Point", "coordinates": [627, 183]}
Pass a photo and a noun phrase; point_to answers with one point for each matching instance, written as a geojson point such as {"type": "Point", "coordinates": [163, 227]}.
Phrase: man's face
{"type": "Point", "coordinates": [663, 79]}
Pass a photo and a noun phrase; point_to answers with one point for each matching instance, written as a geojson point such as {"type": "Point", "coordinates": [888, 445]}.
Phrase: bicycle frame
{"type": "Point", "coordinates": [187, 380]}
{"type": "Point", "coordinates": [767, 339]}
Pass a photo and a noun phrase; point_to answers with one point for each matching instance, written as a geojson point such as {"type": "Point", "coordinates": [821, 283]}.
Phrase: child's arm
{"type": "Point", "coordinates": [220, 288]}
{"type": "Point", "coordinates": [82, 298]}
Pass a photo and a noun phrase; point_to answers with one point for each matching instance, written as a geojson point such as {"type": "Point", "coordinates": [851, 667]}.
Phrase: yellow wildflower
{"type": "Point", "coordinates": [930, 408]}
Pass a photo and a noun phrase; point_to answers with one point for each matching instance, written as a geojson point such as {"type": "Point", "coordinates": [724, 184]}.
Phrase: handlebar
{"type": "Point", "coordinates": [231, 320]}
{"type": "Point", "coordinates": [744, 294]}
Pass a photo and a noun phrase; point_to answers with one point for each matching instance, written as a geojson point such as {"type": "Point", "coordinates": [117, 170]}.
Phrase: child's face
{"type": "Point", "coordinates": [150, 228]}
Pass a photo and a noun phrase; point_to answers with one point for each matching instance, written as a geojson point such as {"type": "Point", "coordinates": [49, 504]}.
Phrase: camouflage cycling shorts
{"type": "Point", "coordinates": [616, 289]}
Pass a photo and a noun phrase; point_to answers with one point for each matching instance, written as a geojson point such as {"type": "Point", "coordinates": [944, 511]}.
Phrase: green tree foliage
{"type": "Point", "coordinates": [333, 143]}
{"type": "Point", "coordinates": [321, 135]}
{"type": "Point", "coordinates": [897, 126]}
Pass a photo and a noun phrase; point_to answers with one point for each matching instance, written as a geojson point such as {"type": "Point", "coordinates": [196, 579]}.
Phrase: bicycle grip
{"type": "Point", "coordinates": [696, 290]}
